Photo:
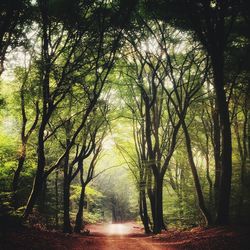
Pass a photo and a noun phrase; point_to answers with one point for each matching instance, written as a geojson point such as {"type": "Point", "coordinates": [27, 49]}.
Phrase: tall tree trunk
{"type": "Point", "coordinates": [15, 182]}
{"type": "Point", "coordinates": [66, 207]}
{"type": "Point", "coordinates": [217, 59]}
{"type": "Point", "coordinates": [144, 210]}
{"type": "Point", "coordinates": [201, 202]}
{"type": "Point", "coordinates": [66, 195]}
{"type": "Point", "coordinates": [151, 194]}
{"type": "Point", "coordinates": [159, 221]}
{"type": "Point", "coordinates": [217, 148]}
{"type": "Point", "coordinates": [56, 199]}
{"type": "Point", "coordinates": [45, 75]}
{"type": "Point", "coordinates": [180, 194]}
{"type": "Point", "coordinates": [207, 151]}
{"type": "Point", "coordinates": [209, 180]}
{"type": "Point", "coordinates": [38, 181]}
{"type": "Point", "coordinates": [248, 133]}
{"type": "Point", "coordinates": [79, 217]}
{"type": "Point", "coordinates": [42, 198]}
{"type": "Point", "coordinates": [244, 142]}
{"type": "Point", "coordinates": [242, 149]}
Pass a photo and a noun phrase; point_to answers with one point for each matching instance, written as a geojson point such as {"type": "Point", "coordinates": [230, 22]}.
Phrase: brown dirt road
{"type": "Point", "coordinates": [116, 243]}
{"type": "Point", "coordinates": [124, 236]}
{"type": "Point", "coordinates": [128, 236]}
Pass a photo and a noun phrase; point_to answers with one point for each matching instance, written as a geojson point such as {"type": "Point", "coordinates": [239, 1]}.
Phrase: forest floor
{"type": "Point", "coordinates": [129, 236]}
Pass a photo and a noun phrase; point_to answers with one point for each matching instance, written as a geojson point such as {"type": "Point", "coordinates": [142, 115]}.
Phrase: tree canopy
{"type": "Point", "coordinates": [124, 110]}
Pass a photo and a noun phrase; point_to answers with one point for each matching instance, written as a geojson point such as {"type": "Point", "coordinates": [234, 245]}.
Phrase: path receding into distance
{"type": "Point", "coordinates": [124, 236]}
{"type": "Point", "coordinates": [128, 236]}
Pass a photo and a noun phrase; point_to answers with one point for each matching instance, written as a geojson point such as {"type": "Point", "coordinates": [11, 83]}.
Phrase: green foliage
{"type": "Point", "coordinates": [8, 151]}
{"type": "Point", "coordinates": [104, 53]}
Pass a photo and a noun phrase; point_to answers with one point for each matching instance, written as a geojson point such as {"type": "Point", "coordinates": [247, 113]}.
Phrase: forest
{"type": "Point", "coordinates": [124, 113]}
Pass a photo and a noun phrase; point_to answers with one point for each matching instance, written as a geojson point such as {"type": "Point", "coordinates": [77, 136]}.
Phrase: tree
{"type": "Point", "coordinates": [51, 50]}
{"type": "Point", "coordinates": [97, 146]}
{"type": "Point", "coordinates": [26, 89]}
{"type": "Point", "coordinates": [211, 22]}
{"type": "Point", "coordinates": [91, 36]}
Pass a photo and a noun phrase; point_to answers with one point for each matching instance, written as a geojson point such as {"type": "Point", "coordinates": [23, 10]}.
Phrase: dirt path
{"type": "Point", "coordinates": [118, 237]}
{"type": "Point", "coordinates": [128, 236]}
{"type": "Point", "coordinates": [102, 237]}
{"type": "Point", "coordinates": [116, 243]}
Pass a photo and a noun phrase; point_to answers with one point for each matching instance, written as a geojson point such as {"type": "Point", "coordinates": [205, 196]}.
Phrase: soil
{"type": "Point", "coordinates": [129, 236]}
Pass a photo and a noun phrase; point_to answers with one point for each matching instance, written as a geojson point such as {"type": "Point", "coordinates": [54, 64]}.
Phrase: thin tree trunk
{"type": "Point", "coordinates": [66, 194]}
{"type": "Point", "coordinates": [144, 210]}
{"type": "Point", "coordinates": [38, 182]}
{"type": "Point", "coordinates": [199, 192]}
{"type": "Point", "coordinates": [209, 180]}
{"type": "Point", "coordinates": [79, 217]}
{"type": "Point", "coordinates": [180, 194]}
{"type": "Point", "coordinates": [45, 73]}
{"type": "Point", "coordinates": [56, 199]}
{"type": "Point", "coordinates": [15, 182]}
{"type": "Point", "coordinates": [243, 157]}
{"type": "Point", "coordinates": [151, 194]}
{"type": "Point", "coordinates": [248, 134]}
{"type": "Point", "coordinates": [217, 153]}
{"type": "Point", "coordinates": [217, 149]}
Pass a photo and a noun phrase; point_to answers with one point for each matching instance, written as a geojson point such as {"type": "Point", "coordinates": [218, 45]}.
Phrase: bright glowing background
{"type": "Point", "coordinates": [117, 229]}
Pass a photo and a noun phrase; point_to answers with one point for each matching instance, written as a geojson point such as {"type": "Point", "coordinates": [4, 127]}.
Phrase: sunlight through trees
{"type": "Point", "coordinates": [117, 111]}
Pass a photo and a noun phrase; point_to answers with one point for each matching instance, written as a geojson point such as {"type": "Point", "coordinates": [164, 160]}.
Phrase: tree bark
{"type": "Point", "coordinates": [151, 194]}
{"type": "Point", "coordinates": [216, 139]}
{"type": "Point", "coordinates": [15, 182]}
{"type": "Point", "coordinates": [207, 151]}
{"type": "Point", "coordinates": [201, 202]}
{"type": "Point", "coordinates": [66, 194]}
{"type": "Point", "coordinates": [209, 180]}
{"type": "Point", "coordinates": [45, 74]}
{"type": "Point", "coordinates": [79, 217]}
{"type": "Point", "coordinates": [144, 210]}
{"type": "Point", "coordinates": [158, 203]}
{"type": "Point", "coordinates": [216, 147]}
{"type": "Point", "coordinates": [38, 182]}
{"type": "Point", "coordinates": [217, 59]}
{"type": "Point", "coordinates": [56, 199]}
{"type": "Point", "coordinates": [42, 198]}
{"type": "Point", "coordinates": [248, 134]}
